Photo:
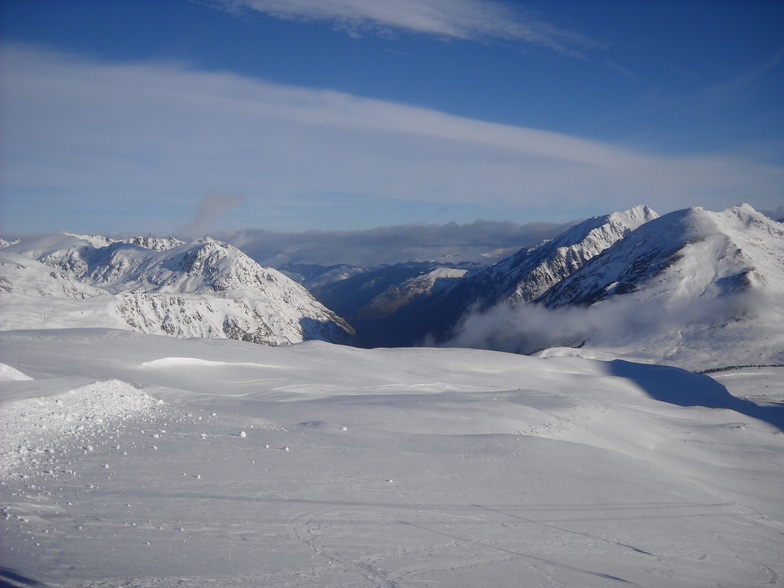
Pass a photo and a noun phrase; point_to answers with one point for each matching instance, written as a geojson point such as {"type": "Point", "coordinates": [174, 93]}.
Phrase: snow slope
{"type": "Point", "coordinates": [161, 286]}
{"type": "Point", "coordinates": [321, 465]}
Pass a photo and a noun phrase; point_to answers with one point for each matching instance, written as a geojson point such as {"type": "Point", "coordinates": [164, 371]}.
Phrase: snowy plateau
{"type": "Point", "coordinates": [174, 414]}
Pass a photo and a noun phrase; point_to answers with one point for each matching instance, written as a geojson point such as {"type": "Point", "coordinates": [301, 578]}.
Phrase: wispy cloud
{"type": "Point", "coordinates": [208, 211]}
{"type": "Point", "coordinates": [156, 136]}
{"type": "Point", "coordinates": [475, 20]}
{"type": "Point", "coordinates": [775, 214]}
{"type": "Point", "coordinates": [729, 88]}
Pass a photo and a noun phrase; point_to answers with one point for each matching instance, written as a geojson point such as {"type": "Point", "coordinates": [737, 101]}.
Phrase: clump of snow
{"type": "Point", "coordinates": [41, 425]}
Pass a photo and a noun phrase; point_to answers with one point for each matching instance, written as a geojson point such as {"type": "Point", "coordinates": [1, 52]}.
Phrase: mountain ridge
{"type": "Point", "coordinates": [692, 287]}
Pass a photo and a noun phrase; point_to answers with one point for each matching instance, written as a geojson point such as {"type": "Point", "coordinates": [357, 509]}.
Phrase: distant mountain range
{"type": "Point", "coordinates": [693, 287]}
{"type": "Point", "coordinates": [162, 286]}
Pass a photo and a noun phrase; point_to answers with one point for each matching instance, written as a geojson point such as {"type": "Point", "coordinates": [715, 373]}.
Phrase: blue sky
{"type": "Point", "coordinates": [290, 115]}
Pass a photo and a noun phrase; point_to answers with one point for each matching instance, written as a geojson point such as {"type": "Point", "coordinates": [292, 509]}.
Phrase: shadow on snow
{"type": "Point", "coordinates": [684, 388]}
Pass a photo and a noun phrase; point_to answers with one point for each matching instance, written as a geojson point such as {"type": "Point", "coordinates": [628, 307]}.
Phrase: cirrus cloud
{"type": "Point", "coordinates": [147, 139]}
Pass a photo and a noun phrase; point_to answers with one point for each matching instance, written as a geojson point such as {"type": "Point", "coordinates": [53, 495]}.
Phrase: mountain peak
{"type": "Point", "coordinates": [640, 213]}
{"type": "Point", "coordinates": [706, 281]}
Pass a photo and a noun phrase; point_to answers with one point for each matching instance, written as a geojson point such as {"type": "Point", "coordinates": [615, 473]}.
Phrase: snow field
{"type": "Point", "coordinates": [406, 467]}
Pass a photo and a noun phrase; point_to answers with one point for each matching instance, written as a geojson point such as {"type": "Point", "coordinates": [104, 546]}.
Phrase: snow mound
{"type": "Point", "coordinates": [35, 426]}
{"type": "Point", "coordinates": [9, 374]}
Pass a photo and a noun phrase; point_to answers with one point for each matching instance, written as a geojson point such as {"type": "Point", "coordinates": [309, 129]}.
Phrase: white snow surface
{"type": "Point", "coordinates": [7, 373]}
{"type": "Point", "coordinates": [212, 462]}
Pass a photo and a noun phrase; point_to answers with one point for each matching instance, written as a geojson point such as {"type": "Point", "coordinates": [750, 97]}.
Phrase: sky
{"type": "Point", "coordinates": [296, 115]}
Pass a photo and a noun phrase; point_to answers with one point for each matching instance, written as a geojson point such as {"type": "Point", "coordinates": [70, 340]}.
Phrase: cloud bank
{"type": "Point", "coordinates": [481, 242]}
{"type": "Point", "coordinates": [621, 321]}
{"type": "Point", "coordinates": [94, 142]}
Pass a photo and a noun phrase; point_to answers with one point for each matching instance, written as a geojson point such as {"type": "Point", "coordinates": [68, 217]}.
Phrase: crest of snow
{"type": "Point", "coordinates": [533, 271]}
{"type": "Point", "coordinates": [530, 272]}
{"type": "Point", "coordinates": [9, 374]}
{"type": "Point", "coordinates": [168, 362]}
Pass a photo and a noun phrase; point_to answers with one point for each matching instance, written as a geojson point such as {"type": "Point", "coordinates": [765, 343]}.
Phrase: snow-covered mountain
{"type": "Point", "coordinates": [161, 286]}
{"type": "Point", "coordinates": [697, 288]}
{"type": "Point", "coordinates": [374, 300]}
{"type": "Point", "coordinates": [399, 295]}
{"type": "Point", "coordinates": [684, 254]}
{"type": "Point", "coordinates": [693, 288]}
